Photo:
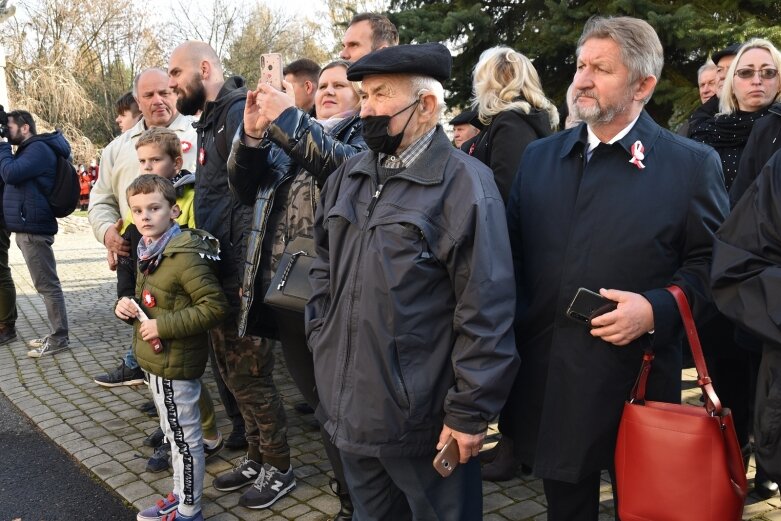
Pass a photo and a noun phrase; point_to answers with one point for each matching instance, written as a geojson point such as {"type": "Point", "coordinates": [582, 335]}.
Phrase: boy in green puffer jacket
{"type": "Point", "coordinates": [178, 291]}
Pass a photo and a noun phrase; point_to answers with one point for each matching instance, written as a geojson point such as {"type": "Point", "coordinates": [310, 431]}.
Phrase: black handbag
{"type": "Point", "coordinates": [290, 288]}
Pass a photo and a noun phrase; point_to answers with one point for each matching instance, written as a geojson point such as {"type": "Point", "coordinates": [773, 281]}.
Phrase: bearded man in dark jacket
{"type": "Point", "coordinates": [410, 319]}
{"type": "Point", "coordinates": [29, 177]}
{"type": "Point", "coordinates": [246, 363]}
{"type": "Point", "coordinates": [615, 202]}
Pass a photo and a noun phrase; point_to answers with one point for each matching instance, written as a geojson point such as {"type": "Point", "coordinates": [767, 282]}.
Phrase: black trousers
{"type": "Point", "coordinates": [576, 501]}
{"type": "Point", "coordinates": [301, 367]}
{"type": "Point", "coordinates": [406, 489]}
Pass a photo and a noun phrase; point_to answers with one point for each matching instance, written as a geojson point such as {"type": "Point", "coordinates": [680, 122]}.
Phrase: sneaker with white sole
{"type": "Point", "coordinates": [122, 375]}
{"type": "Point", "coordinates": [46, 346]}
{"type": "Point", "coordinates": [245, 472]}
{"type": "Point", "coordinates": [162, 507]}
{"type": "Point", "coordinates": [269, 487]}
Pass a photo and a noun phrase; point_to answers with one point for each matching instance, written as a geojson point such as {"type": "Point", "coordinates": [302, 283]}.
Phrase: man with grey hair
{"type": "Point", "coordinates": [707, 81]}
{"type": "Point", "coordinates": [410, 319]}
{"type": "Point", "coordinates": [639, 207]}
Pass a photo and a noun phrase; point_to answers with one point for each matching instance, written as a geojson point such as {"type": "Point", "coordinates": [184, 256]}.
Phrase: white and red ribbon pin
{"type": "Point", "coordinates": [637, 155]}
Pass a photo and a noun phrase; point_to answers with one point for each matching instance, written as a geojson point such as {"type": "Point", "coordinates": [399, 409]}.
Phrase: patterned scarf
{"type": "Point", "coordinates": [149, 255]}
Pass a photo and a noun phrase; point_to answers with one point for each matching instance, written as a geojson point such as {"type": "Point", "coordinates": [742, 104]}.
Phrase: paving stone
{"type": "Point", "coordinates": [135, 490]}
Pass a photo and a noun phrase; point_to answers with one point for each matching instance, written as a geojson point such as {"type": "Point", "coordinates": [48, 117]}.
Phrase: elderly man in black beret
{"type": "Point", "coordinates": [465, 127]}
{"type": "Point", "coordinates": [410, 320]}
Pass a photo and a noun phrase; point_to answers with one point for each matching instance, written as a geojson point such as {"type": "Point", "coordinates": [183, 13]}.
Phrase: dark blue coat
{"type": "Point", "coordinates": [607, 224]}
{"type": "Point", "coordinates": [29, 179]}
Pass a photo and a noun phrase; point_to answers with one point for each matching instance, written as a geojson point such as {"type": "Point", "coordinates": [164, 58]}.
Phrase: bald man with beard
{"type": "Point", "coordinates": [245, 356]}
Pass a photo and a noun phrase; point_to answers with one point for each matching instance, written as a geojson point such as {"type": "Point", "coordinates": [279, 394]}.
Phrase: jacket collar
{"type": "Point", "coordinates": [428, 169]}
{"type": "Point", "coordinates": [232, 90]}
{"type": "Point", "coordinates": [180, 123]}
{"type": "Point", "coordinates": [646, 130]}
{"type": "Point", "coordinates": [775, 108]}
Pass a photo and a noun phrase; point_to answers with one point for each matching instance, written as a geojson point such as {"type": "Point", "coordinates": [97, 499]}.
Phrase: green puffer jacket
{"type": "Point", "coordinates": [188, 301]}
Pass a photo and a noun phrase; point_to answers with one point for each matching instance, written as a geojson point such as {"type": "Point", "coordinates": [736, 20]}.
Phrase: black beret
{"type": "Point", "coordinates": [465, 118]}
{"type": "Point", "coordinates": [732, 50]}
{"type": "Point", "coordinates": [425, 59]}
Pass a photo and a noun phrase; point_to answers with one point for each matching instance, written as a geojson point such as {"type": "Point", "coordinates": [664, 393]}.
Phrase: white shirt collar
{"type": "Point", "coordinates": [593, 140]}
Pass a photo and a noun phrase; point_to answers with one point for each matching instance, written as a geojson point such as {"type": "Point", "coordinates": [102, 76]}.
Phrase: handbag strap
{"type": "Point", "coordinates": [712, 402]}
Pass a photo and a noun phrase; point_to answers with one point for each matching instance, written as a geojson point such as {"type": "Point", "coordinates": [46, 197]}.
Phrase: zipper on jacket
{"type": "Point", "coordinates": [373, 202]}
{"type": "Point", "coordinates": [369, 211]}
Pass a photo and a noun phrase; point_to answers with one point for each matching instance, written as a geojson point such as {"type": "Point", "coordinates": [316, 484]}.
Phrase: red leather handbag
{"type": "Point", "coordinates": [677, 462]}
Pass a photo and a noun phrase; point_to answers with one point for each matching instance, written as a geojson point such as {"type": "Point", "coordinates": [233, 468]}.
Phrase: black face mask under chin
{"type": "Point", "coordinates": [375, 131]}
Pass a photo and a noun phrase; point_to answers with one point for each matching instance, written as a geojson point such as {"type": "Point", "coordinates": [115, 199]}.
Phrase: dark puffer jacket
{"type": "Point", "coordinates": [282, 179]}
{"type": "Point", "coordinates": [763, 142]}
{"type": "Point", "coordinates": [29, 179]}
{"type": "Point", "coordinates": [188, 301]}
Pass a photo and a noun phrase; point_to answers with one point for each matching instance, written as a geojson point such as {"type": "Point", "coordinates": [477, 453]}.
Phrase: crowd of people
{"type": "Point", "coordinates": [418, 289]}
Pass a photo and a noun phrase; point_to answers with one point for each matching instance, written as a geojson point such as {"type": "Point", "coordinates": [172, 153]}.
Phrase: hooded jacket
{"type": "Point", "coordinates": [29, 179]}
{"type": "Point", "coordinates": [501, 144]}
{"type": "Point", "coordinates": [217, 210]}
{"type": "Point", "coordinates": [188, 301]}
{"type": "Point", "coordinates": [282, 179]}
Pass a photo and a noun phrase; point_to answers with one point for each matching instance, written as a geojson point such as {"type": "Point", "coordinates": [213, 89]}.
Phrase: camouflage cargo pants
{"type": "Point", "coordinates": [247, 366]}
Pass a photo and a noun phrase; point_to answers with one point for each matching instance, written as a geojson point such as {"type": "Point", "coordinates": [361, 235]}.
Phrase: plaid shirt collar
{"type": "Point", "coordinates": [410, 154]}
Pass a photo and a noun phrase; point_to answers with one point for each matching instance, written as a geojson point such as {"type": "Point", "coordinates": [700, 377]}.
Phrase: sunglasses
{"type": "Point", "coordinates": [765, 74]}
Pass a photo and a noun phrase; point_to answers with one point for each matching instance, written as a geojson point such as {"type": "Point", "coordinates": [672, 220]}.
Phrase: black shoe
{"type": "Point", "coordinates": [122, 375]}
{"type": "Point", "coordinates": [237, 440]}
{"type": "Point", "coordinates": [346, 504]}
{"type": "Point", "coordinates": [155, 439]}
{"type": "Point", "coordinates": [303, 408]}
{"type": "Point", "coordinates": [7, 334]}
{"type": "Point", "coordinates": [312, 425]}
{"type": "Point", "coordinates": [148, 408]}
{"type": "Point", "coordinates": [159, 460]}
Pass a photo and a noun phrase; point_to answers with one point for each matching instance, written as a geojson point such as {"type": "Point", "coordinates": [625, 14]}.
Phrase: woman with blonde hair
{"type": "Point", "coordinates": [508, 97]}
{"type": "Point", "coordinates": [751, 86]}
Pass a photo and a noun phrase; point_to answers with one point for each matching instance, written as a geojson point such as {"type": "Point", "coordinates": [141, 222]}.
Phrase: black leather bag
{"type": "Point", "coordinates": [290, 288]}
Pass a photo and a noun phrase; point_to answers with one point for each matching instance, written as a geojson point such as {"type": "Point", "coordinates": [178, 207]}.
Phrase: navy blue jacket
{"type": "Point", "coordinates": [605, 224]}
{"type": "Point", "coordinates": [29, 179]}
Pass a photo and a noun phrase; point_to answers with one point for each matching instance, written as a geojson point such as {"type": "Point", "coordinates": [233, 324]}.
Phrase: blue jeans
{"type": "Point", "coordinates": [130, 359]}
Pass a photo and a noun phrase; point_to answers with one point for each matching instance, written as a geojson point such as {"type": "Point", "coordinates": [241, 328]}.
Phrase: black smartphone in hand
{"type": "Point", "coordinates": [588, 305]}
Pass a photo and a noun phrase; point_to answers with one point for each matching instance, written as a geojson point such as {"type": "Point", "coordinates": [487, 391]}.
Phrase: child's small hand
{"type": "Point", "coordinates": [148, 330]}
{"type": "Point", "coordinates": [125, 309]}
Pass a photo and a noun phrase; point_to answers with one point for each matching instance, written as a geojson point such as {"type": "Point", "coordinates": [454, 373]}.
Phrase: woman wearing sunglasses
{"type": "Point", "coordinates": [751, 86]}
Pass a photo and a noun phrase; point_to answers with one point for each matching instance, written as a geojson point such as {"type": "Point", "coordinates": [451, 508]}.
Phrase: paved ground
{"type": "Point", "coordinates": [102, 429]}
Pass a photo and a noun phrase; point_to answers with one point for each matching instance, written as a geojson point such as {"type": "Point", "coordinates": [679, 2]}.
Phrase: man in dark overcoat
{"type": "Point", "coordinates": [619, 205]}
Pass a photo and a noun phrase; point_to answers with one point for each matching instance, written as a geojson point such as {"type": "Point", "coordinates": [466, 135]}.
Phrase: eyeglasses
{"type": "Point", "coordinates": [765, 74]}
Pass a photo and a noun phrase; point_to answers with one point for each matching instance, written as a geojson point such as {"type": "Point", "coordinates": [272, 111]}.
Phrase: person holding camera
{"type": "Point", "coordinates": [29, 177]}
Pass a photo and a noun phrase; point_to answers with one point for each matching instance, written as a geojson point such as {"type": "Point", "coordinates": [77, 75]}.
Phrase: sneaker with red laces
{"type": "Point", "coordinates": [162, 508]}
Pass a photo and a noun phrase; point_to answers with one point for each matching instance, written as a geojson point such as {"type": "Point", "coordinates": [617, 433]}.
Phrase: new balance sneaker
{"type": "Point", "coordinates": [159, 460]}
{"type": "Point", "coordinates": [162, 507]}
{"type": "Point", "coordinates": [270, 486]}
{"type": "Point", "coordinates": [45, 346]}
{"type": "Point", "coordinates": [245, 472]}
{"type": "Point", "coordinates": [212, 447]}
{"type": "Point", "coordinates": [122, 375]}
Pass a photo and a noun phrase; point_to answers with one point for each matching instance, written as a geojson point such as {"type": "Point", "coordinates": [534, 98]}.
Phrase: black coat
{"type": "Point", "coordinates": [217, 210]}
{"type": "Point", "coordinates": [763, 142]}
{"type": "Point", "coordinates": [607, 224]}
{"type": "Point", "coordinates": [746, 269]}
{"type": "Point", "coordinates": [501, 144]}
